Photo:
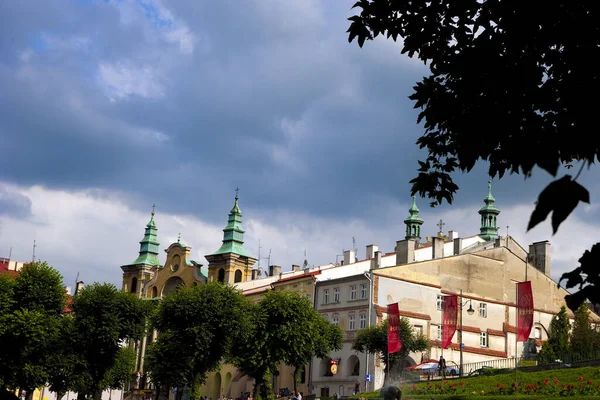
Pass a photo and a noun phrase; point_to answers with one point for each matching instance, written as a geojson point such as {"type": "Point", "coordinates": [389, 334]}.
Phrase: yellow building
{"type": "Point", "coordinates": [231, 264]}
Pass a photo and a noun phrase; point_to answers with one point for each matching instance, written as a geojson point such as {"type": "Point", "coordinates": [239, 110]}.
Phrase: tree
{"type": "Point", "coordinates": [198, 324]}
{"type": "Point", "coordinates": [374, 340]}
{"type": "Point", "coordinates": [103, 319]}
{"type": "Point", "coordinates": [324, 336]}
{"type": "Point", "coordinates": [30, 326]}
{"type": "Point", "coordinates": [6, 306]}
{"type": "Point", "coordinates": [558, 341]}
{"type": "Point", "coordinates": [286, 329]}
{"type": "Point", "coordinates": [584, 339]}
{"type": "Point", "coordinates": [505, 86]}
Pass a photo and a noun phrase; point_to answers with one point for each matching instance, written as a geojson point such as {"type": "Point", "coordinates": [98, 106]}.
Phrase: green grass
{"type": "Point", "coordinates": [572, 382]}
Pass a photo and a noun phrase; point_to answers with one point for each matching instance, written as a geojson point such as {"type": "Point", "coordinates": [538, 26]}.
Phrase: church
{"type": "Point", "coordinates": [481, 268]}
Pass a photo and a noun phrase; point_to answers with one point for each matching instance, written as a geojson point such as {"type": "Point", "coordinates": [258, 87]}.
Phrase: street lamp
{"type": "Point", "coordinates": [470, 311]}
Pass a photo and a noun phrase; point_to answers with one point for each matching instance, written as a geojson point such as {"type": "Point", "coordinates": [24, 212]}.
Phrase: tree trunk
{"type": "Point", "coordinates": [295, 380]}
{"type": "Point", "coordinates": [97, 395]}
{"type": "Point", "coordinates": [179, 395]}
{"type": "Point", "coordinates": [80, 396]}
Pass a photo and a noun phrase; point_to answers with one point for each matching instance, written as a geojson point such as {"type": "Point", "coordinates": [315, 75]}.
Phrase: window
{"type": "Point", "coordinates": [538, 333]}
{"type": "Point", "coordinates": [221, 276]}
{"type": "Point", "coordinates": [326, 296]}
{"type": "Point", "coordinates": [335, 319]}
{"type": "Point", "coordinates": [439, 332]}
{"type": "Point", "coordinates": [351, 322]}
{"type": "Point", "coordinates": [483, 310]}
{"type": "Point", "coordinates": [483, 339]}
{"type": "Point", "coordinates": [440, 302]}
{"type": "Point", "coordinates": [134, 285]}
{"type": "Point", "coordinates": [238, 276]}
{"type": "Point", "coordinates": [353, 292]}
{"type": "Point", "coordinates": [418, 329]}
{"type": "Point", "coordinates": [336, 295]}
{"type": "Point", "coordinates": [363, 290]}
{"type": "Point", "coordinates": [362, 321]}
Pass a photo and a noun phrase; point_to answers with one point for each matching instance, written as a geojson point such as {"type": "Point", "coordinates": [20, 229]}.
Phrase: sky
{"type": "Point", "coordinates": [108, 107]}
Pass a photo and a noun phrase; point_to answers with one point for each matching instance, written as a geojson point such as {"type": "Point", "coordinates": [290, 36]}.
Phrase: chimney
{"type": "Point", "coordinates": [452, 235]}
{"type": "Point", "coordinates": [376, 260]}
{"type": "Point", "coordinates": [78, 287]}
{"type": "Point", "coordinates": [437, 247]}
{"type": "Point", "coordinates": [349, 257]}
{"type": "Point", "coordinates": [295, 268]}
{"type": "Point", "coordinates": [371, 250]}
{"type": "Point", "coordinates": [254, 273]}
{"type": "Point", "coordinates": [457, 246]}
{"type": "Point", "coordinates": [405, 251]}
{"type": "Point", "coordinates": [539, 256]}
{"type": "Point", "coordinates": [274, 270]}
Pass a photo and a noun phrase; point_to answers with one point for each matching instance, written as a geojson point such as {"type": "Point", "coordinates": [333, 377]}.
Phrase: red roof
{"type": "Point", "coordinates": [4, 268]}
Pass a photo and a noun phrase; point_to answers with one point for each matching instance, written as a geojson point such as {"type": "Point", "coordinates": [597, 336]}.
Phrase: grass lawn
{"type": "Point", "coordinates": [572, 382]}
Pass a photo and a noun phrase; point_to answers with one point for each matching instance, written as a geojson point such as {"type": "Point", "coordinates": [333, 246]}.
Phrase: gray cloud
{"type": "Point", "coordinates": [180, 102]}
{"type": "Point", "coordinates": [14, 204]}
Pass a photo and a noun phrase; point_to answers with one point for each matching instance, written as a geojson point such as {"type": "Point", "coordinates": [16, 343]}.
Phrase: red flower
{"type": "Point", "coordinates": [581, 379]}
{"type": "Point", "coordinates": [589, 382]}
{"type": "Point", "coordinates": [556, 381]}
{"type": "Point", "coordinates": [497, 384]}
{"type": "Point", "coordinates": [462, 384]}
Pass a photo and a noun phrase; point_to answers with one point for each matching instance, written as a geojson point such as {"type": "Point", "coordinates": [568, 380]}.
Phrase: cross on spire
{"type": "Point", "coordinates": [179, 237]}
{"type": "Point", "coordinates": [441, 224]}
{"type": "Point", "coordinates": [153, 207]}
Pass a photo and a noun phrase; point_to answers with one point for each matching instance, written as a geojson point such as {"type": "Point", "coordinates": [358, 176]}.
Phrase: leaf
{"type": "Point", "coordinates": [573, 278]}
{"type": "Point", "coordinates": [560, 198]}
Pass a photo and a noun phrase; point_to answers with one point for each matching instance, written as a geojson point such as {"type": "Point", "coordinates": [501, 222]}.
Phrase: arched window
{"type": "Point", "coordinates": [238, 276]}
{"type": "Point", "coordinates": [154, 292]}
{"type": "Point", "coordinates": [134, 285]}
{"type": "Point", "coordinates": [221, 277]}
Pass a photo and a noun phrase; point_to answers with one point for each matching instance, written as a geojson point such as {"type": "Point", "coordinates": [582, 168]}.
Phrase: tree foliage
{"type": "Point", "coordinates": [374, 340]}
{"type": "Point", "coordinates": [202, 320]}
{"type": "Point", "coordinates": [286, 329]}
{"type": "Point", "coordinates": [584, 339]}
{"type": "Point", "coordinates": [30, 326]}
{"type": "Point", "coordinates": [103, 319]}
{"type": "Point", "coordinates": [558, 341]}
{"type": "Point", "coordinates": [506, 86]}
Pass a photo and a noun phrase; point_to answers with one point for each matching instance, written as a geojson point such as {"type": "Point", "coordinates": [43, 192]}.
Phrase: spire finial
{"type": "Point", "coordinates": [490, 186]}
{"type": "Point", "coordinates": [179, 237]}
{"type": "Point", "coordinates": [237, 189]}
{"type": "Point", "coordinates": [153, 207]}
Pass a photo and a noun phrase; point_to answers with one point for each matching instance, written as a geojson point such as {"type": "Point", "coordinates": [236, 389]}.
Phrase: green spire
{"type": "Point", "coordinates": [413, 222]}
{"type": "Point", "coordinates": [489, 213]}
{"type": "Point", "coordinates": [149, 245]}
{"type": "Point", "coordinates": [233, 234]}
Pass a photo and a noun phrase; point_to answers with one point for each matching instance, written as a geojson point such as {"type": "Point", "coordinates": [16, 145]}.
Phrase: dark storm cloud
{"type": "Point", "coordinates": [271, 99]}
{"type": "Point", "coordinates": [13, 204]}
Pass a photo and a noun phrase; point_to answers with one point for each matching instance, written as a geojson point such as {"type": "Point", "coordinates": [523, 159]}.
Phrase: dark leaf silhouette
{"type": "Point", "coordinates": [587, 276]}
{"type": "Point", "coordinates": [559, 198]}
{"type": "Point", "coordinates": [505, 87]}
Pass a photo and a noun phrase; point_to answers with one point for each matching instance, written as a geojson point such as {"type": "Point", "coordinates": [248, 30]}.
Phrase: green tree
{"type": "Point", "coordinates": [374, 340]}
{"type": "Point", "coordinates": [584, 339]}
{"type": "Point", "coordinates": [103, 318]}
{"type": "Point", "coordinates": [324, 337]}
{"type": "Point", "coordinates": [30, 326]}
{"type": "Point", "coordinates": [558, 341]}
{"type": "Point", "coordinates": [6, 307]}
{"type": "Point", "coordinates": [199, 324]}
{"type": "Point", "coordinates": [505, 88]}
{"type": "Point", "coordinates": [286, 329]}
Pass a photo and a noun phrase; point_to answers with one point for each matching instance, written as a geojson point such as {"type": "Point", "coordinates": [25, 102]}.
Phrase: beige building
{"type": "Point", "coordinates": [483, 268]}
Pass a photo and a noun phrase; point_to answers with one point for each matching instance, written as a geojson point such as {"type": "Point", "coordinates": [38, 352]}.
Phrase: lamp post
{"type": "Point", "coordinates": [470, 311]}
{"type": "Point", "coordinates": [369, 276]}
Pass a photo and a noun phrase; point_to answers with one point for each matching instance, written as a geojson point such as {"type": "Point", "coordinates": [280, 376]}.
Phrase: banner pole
{"type": "Point", "coordinates": [517, 334]}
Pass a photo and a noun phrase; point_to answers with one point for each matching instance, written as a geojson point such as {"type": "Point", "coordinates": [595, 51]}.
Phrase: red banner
{"type": "Point", "coordinates": [524, 310]}
{"type": "Point", "coordinates": [449, 317]}
{"type": "Point", "coordinates": [394, 343]}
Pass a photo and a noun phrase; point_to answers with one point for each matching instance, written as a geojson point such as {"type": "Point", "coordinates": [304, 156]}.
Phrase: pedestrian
{"type": "Point", "coordinates": [442, 367]}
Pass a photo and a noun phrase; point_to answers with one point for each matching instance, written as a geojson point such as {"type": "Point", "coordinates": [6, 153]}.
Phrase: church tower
{"type": "Point", "coordinates": [142, 270]}
{"type": "Point", "coordinates": [231, 263]}
{"type": "Point", "coordinates": [413, 222]}
{"type": "Point", "coordinates": [489, 214]}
